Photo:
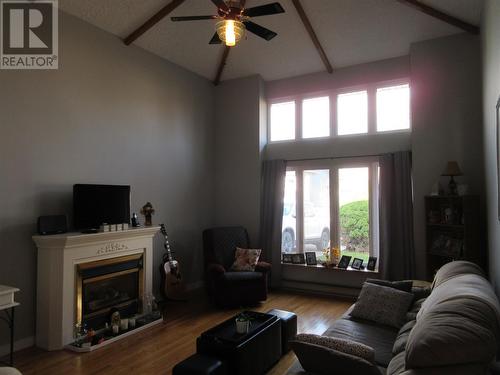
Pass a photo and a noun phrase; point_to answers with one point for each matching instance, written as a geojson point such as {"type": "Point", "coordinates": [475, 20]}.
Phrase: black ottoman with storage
{"type": "Point", "coordinates": [199, 364]}
{"type": "Point", "coordinates": [288, 327]}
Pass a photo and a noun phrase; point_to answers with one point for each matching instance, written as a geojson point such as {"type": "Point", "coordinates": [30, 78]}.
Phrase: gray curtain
{"type": "Point", "coordinates": [397, 253]}
{"type": "Point", "coordinates": [271, 214]}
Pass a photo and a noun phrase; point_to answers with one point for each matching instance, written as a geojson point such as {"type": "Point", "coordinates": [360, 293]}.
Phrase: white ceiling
{"type": "Point", "coordinates": [351, 32]}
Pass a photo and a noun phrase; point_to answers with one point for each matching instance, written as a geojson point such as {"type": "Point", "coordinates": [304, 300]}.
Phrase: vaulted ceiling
{"type": "Point", "coordinates": [350, 31]}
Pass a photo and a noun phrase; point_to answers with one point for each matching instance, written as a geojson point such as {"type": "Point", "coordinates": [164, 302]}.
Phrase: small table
{"type": "Point", "coordinates": [7, 305]}
{"type": "Point", "coordinates": [245, 354]}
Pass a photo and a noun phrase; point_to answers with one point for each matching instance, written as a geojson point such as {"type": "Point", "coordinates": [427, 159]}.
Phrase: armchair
{"type": "Point", "coordinates": [227, 288]}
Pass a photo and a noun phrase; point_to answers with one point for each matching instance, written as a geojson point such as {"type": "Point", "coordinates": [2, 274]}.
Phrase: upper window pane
{"type": "Point", "coordinates": [393, 108]}
{"type": "Point", "coordinates": [352, 109]}
{"type": "Point", "coordinates": [316, 117]}
{"type": "Point", "coordinates": [282, 121]}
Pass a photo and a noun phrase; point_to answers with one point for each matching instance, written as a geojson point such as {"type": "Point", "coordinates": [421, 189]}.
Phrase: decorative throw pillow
{"type": "Point", "coordinates": [404, 285]}
{"type": "Point", "coordinates": [245, 259]}
{"type": "Point", "coordinates": [382, 305]}
{"type": "Point", "coordinates": [341, 345]}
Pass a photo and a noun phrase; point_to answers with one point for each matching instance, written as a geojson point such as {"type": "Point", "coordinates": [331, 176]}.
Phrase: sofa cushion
{"type": "Point", "coordinates": [380, 338]}
{"type": "Point", "coordinates": [404, 285]}
{"type": "Point", "coordinates": [402, 339]}
{"type": "Point", "coordinates": [241, 276]}
{"type": "Point", "coordinates": [457, 324]}
{"type": "Point", "coordinates": [342, 345]}
{"type": "Point", "coordinates": [245, 259]}
{"type": "Point", "coordinates": [321, 360]}
{"type": "Point", "coordinates": [397, 364]}
{"type": "Point", "coordinates": [383, 305]}
{"type": "Point", "coordinates": [453, 269]}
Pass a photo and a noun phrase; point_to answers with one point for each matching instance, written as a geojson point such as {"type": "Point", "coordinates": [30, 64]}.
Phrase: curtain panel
{"type": "Point", "coordinates": [271, 214]}
{"type": "Point", "coordinates": [397, 252]}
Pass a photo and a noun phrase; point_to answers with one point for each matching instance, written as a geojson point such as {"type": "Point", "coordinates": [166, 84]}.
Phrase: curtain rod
{"type": "Point", "coordinates": [336, 157]}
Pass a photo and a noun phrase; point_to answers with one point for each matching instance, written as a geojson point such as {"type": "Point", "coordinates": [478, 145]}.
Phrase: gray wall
{"type": "Point", "coordinates": [238, 153]}
{"type": "Point", "coordinates": [446, 120]}
{"type": "Point", "coordinates": [111, 114]}
{"type": "Point", "coordinates": [491, 92]}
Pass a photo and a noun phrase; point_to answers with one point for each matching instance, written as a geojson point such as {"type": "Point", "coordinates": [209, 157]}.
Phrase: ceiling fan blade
{"type": "Point", "coordinates": [220, 4]}
{"type": "Point", "coordinates": [264, 10]}
{"type": "Point", "coordinates": [193, 18]}
{"type": "Point", "coordinates": [259, 30]}
{"type": "Point", "coordinates": [215, 39]}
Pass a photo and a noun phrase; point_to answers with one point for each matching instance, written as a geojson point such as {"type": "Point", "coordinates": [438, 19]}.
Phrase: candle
{"type": "Point", "coordinates": [115, 329]}
{"type": "Point", "coordinates": [131, 323]}
{"type": "Point", "coordinates": [124, 324]}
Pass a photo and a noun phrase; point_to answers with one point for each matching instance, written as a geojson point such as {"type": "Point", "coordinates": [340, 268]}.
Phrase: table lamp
{"type": "Point", "coordinates": [452, 169]}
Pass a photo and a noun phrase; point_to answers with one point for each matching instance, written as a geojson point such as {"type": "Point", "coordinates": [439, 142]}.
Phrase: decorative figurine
{"type": "Point", "coordinates": [148, 211]}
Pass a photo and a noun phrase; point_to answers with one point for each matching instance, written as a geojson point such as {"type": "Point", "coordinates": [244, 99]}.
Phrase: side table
{"type": "Point", "coordinates": [7, 306]}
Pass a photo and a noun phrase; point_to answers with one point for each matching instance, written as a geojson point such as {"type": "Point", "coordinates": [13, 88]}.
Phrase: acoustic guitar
{"type": "Point", "coordinates": [172, 284]}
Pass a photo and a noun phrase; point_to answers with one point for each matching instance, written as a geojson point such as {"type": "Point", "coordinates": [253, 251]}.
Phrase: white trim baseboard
{"type": "Point", "coordinates": [21, 344]}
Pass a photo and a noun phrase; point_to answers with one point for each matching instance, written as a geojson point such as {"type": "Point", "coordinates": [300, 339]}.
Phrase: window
{"type": "Point", "coordinates": [282, 121]}
{"type": "Point", "coordinates": [316, 117]}
{"type": "Point", "coordinates": [352, 113]}
{"type": "Point", "coordinates": [393, 108]}
{"type": "Point", "coordinates": [331, 203]}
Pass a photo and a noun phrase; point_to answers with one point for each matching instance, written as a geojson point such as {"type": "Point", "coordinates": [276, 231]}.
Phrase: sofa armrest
{"type": "Point", "coordinates": [215, 269]}
{"type": "Point", "coordinates": [263, 267]}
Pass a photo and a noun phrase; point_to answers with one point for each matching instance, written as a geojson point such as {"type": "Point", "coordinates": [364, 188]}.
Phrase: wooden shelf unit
{"type": "Point", "coordinates": [453, 230]}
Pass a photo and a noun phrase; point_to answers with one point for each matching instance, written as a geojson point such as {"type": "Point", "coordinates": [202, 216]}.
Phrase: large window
{"type": "Point", "coordinates": [376, 108]}
{"type": "Point", "coordinates": [331, 203]}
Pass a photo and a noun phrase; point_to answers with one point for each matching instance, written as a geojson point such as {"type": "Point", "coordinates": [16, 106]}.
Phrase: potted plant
{"type": "Point", "coordinates": [242, 323]}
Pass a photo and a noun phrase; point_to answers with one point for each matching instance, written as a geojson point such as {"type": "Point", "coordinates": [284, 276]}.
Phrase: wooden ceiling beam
{"type": "Point", "coordinates": [312, 34]}
{"type": "Point", "coordinates": [433, 12]}
{"type": "Point", "coordinates": [162, 13]}
{"type": "Point", "coordinates": [222, 64]}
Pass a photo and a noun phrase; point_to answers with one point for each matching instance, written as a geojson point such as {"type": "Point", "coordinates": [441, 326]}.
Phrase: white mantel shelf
{"type": "Point", "coordinates": [58, 257]}
{"type": "Point", "coordinates": [69, 240]}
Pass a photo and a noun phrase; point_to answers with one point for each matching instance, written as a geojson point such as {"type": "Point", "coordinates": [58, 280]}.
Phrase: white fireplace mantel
{"type": "Point", "coordinates": [58, 256]}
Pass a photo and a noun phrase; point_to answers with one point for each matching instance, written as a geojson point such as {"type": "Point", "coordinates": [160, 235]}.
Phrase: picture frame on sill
{"type": "Point", "coordinates": [357, 263]}
{"type": "Point", "coordinates": [311, 258]}
{"type": "Point", "coordinates": [287, 258]}
{"type": "Point", "coordinates": [372, 263]}
{"type": "Point", "coordinates": [298, 258]}
{"type": "Point", "coordinates": [344, 262]}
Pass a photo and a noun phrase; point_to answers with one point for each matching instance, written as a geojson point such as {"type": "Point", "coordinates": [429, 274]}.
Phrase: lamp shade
{"type": "Point", "coordinates": [452, 169]}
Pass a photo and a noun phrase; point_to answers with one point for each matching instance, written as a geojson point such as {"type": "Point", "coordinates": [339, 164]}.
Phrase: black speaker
{"type": "Point", "coordinates": [52, 224]}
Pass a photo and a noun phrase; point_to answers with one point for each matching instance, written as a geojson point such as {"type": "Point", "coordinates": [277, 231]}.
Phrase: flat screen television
{"type": "Point", "coordinates": [94, 205]}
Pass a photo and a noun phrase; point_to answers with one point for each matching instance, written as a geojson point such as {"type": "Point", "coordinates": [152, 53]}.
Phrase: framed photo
{"type": "Point", "coordinates": [357, 263]}
{"type": "Point", "coordinates": [287, 258]}
{"type": "Point", "coordinates": [497, 111]}
{"type": "Point", "coordinates": [344, 261]}
{"type": "Point", "coordinates": [311, 258]}
{"type": "Point", "coordinates": [372, 263]}
{"type": "Point", "coordinates": [298, 258]}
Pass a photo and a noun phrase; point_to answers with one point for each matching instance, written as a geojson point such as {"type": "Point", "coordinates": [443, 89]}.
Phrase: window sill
{"type": "Point", "coordinates": [319, 266]}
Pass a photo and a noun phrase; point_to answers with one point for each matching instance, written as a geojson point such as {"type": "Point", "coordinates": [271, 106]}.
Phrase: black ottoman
{"type": "Point", "coordinates": [288, 327]}
{"type": "Point", "coordinates": [199, 364]}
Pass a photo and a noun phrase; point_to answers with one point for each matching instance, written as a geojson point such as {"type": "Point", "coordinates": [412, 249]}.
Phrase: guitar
{"type": "Point", "coordinates": [172, 285]}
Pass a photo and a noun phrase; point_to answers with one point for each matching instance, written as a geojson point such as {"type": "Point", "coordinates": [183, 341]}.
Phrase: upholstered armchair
{"type": "Point", "coordinates": [227, 288]}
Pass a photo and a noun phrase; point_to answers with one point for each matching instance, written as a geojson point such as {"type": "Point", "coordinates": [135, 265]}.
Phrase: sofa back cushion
{"type": "Point", "coordinates": [457, 324]}
{"type": "Point", "coordinates": [456, 268]}
{"type": "Point", "coordinates": [219, 244]}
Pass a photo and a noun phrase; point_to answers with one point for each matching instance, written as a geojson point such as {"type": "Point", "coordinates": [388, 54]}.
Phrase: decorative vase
{"type": "Point", "coordinates": [242, 326]}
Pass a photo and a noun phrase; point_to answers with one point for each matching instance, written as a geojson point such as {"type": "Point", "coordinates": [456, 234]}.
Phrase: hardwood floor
{"type": "Point", "coordinates": [157, 350]}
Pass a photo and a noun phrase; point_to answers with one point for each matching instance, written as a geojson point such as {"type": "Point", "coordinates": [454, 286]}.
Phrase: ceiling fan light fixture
{"type": "Point", "coordinates": [230, 31]}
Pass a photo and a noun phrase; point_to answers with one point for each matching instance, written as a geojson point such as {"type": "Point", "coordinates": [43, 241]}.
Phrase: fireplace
{"type": "Point", "coordinates": [105, 285]}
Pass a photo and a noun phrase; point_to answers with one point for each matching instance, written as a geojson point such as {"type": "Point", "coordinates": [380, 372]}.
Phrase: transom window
{"type": "Point", "coordinates": [378, 108]}
{"type": "Point", "coordinates": [331, 203]}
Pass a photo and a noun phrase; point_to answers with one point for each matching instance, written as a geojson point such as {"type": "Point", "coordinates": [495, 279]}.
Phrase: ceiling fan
{"type": "Point", "coordinates": [234, 18]}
